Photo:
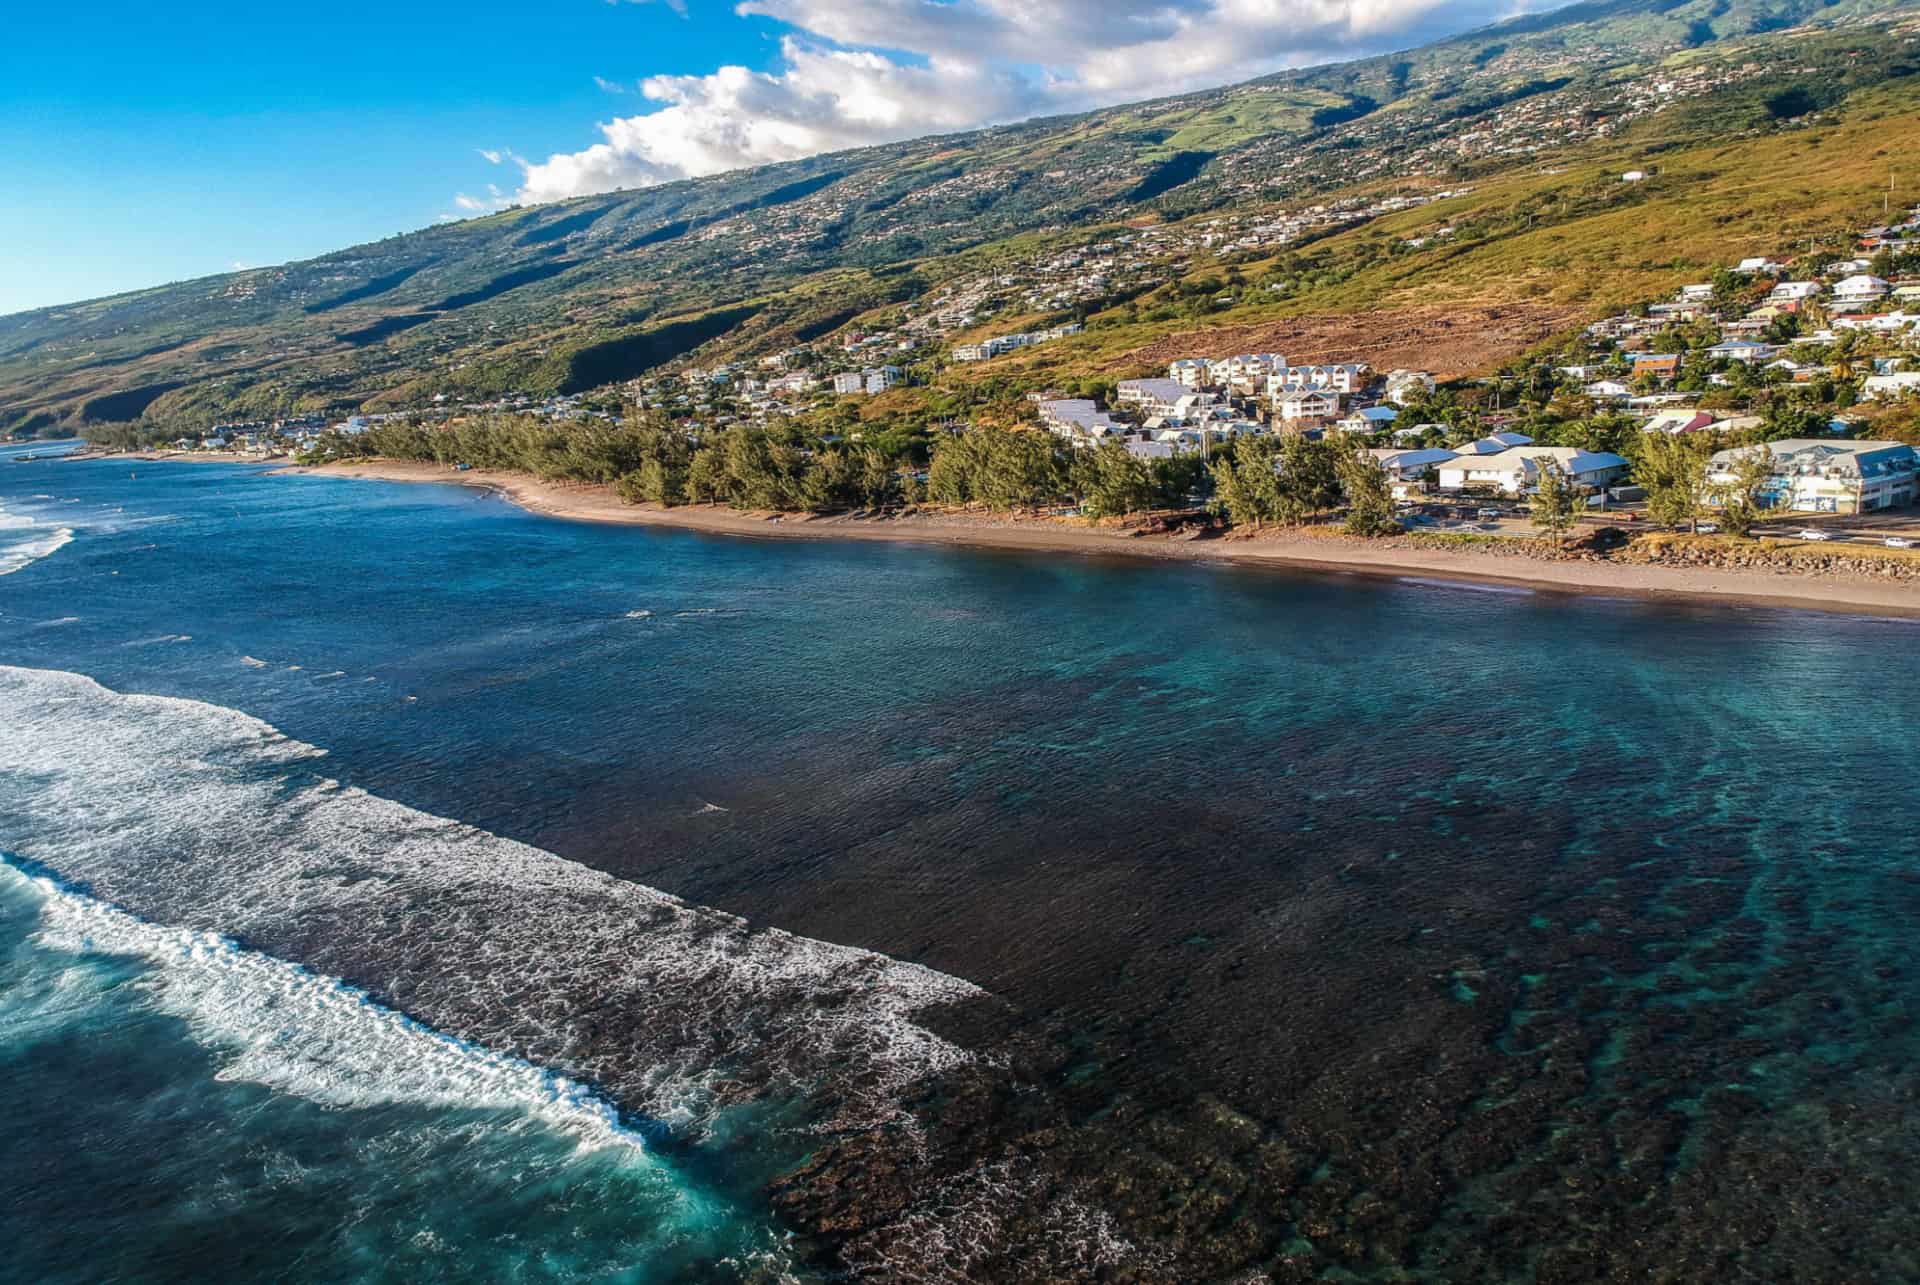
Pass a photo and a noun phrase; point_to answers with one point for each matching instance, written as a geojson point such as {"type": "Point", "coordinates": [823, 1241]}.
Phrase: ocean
{"type": "Point", "coordinates": [398, 885]}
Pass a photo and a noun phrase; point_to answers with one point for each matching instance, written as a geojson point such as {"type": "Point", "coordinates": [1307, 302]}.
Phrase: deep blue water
{"type": "Point", "coordinates": [1280, 923]}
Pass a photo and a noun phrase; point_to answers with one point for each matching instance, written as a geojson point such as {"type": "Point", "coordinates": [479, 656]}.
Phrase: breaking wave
{"type": "Point", "coordinates": [313, 1036]}
{"type": "Point", "coordinates": [213, 823]}
{"type": "Point", "coordinates": [27, 542]}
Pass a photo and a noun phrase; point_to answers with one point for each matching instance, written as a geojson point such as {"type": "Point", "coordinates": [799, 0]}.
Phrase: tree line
{"type": "Point", "coordinates": [780, 466]}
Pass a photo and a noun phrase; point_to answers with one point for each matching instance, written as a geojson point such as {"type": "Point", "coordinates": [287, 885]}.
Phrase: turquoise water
{"type": "Point", "coordinates": [1180, 921]}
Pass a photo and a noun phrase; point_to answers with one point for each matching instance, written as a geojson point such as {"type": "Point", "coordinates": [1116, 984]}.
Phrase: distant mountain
{"type": "Point", "coordinates": [591, 291]}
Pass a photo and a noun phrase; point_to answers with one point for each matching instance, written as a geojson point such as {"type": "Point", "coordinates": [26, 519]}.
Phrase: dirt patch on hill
{"type": "Point", "coordinates": [1449, 342]}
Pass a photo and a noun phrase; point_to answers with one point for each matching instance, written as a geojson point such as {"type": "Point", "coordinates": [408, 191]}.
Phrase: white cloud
{"type": "Point", "coordinates": [494, 201]}
{"type": "Point", "coordinates": [862, 72]}
{"type": "Point", "coordinates": [609, 86]}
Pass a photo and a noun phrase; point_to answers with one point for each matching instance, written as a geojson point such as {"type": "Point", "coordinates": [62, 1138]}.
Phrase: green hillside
{"type": "Point", "coordinates": [1762, 120]}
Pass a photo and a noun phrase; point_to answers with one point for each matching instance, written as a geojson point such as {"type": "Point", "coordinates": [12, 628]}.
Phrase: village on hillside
{"type": "Point", "coordinates": [1782, 361]}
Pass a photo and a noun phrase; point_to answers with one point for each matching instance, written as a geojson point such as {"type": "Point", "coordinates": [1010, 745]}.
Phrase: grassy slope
{"type": "Point", "coordinates": [1596, 245]}
{"type": "Point", "coordinates": [259, 342]}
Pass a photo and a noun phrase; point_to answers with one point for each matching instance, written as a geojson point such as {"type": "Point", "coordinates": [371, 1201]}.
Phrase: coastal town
{"type": "Point", "coordinates": [962, 644]}
{"type": "Point", "coordinates": [1763, 380]}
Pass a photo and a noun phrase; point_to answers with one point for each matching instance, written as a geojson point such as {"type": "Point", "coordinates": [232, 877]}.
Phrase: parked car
{"type": "Point", "coordinates": [1489, 515]}
{"type": "Point", "coordinates": [1899, 542]}
{"type": "Point", "coordinates": [1709, 528]}
{"type": "Point", "coordinates": [1813, 533]}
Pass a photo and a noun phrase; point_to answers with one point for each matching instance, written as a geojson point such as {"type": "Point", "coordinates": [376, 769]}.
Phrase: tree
{"type": "Point", "coordinates": [1110, 481]}
{"type": "Point", "coordinates": [1673, 470]}
{"type": "Point", "coordinates": [1246, 481]}
{"type": "Point", "coordinates": [1309, 477]}
{"type": "Point", "coordinates": [706, 477]}
{"type": "Point", "coordinates": [1740, 496]}
{"type": "Point", "coordinates": [1557, 503]}
{"type": "Point", "coordinates": [1369, 496]}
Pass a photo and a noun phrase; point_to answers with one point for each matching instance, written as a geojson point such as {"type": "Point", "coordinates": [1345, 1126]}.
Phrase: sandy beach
{"type": "Point", "coordinates": [1317, 552]}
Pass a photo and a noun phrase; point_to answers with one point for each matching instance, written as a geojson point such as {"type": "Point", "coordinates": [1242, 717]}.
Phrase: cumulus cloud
{"type": "Point", "coordinates": [859, 72]}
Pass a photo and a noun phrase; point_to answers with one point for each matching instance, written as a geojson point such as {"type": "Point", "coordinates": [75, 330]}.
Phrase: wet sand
{"type": "Point", "coordinates": [1312, 551]}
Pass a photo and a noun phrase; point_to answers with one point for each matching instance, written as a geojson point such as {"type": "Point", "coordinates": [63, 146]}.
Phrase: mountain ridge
{"type": "Point", "coordinates": [512, 300]}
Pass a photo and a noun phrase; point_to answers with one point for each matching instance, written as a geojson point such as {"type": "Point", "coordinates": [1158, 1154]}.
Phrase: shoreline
{"type": "Point", "coordinates": [1325, 554]}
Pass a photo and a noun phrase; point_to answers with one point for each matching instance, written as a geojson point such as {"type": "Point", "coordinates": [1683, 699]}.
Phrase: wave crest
{"type": "Point", "coordinates": [208, 820]}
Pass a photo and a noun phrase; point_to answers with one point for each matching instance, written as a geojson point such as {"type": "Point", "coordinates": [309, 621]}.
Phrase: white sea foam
{"type": "Point", "coordinates": [252, 662]}
{"type": "Point", "coordinates": [210, 821]}
{"type": "Point", "coordinates": [314, 1036]}
{"type": "Point", "coordinates": [638, 615]}
{"type": "Point", "coordinates": [24, 541]}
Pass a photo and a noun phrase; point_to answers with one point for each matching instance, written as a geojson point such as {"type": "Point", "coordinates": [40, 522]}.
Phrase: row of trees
{"type": "Point", "coordinates": [1008, 469]}
{"type": "Point", "coordinates": [782, 467]}
{"type": "Point", "coordinates": [1291, 479]}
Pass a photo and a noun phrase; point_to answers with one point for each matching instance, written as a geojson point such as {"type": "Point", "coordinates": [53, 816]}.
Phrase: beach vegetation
{"type": "Point", "coordinates": [1673, 469]}
{"type": "Point", "coordinates": [1557, 502]}
{"type": "Point", "coordinates": [1368, 494]}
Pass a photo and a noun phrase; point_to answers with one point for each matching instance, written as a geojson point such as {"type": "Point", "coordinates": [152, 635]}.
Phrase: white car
{"type": "Point", "coordinates": [1812, 533]}
{"type": "Point", "coordinates": [1898, 542]}
{"type": "Point", "coordinates": [1709, 528]}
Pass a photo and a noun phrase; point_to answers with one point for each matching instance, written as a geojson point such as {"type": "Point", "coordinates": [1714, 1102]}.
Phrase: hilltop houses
{"type": "Point", "coordinates": [987, 349]}
{"type": "Point", "coordinates": [1406, 386]}
{"type": "Point", "coordinates": [1858, 291]}
{"type": "Point", "coordinates": [1307, 409]}
{"type": "Point", "coordinates": [873, 379]}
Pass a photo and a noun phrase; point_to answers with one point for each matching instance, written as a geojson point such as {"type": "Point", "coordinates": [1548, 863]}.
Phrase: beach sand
{"type": "Point", "coordinates": [1318, 552]}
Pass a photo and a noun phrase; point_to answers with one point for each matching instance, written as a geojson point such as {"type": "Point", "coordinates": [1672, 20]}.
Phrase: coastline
{"type": "Point", "coordinates": [1328, 554]}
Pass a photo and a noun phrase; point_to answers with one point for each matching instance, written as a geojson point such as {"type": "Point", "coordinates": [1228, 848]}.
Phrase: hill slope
{"type": "Point", "coordinates": [586, 292]}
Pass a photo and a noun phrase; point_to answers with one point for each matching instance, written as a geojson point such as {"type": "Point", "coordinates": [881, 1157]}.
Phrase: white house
{"type": "Point", "coordinates": [880, 378]}
{"type": "Point", "coordinates": [1795, 292]}
{"type": "Point", "coordinates": [1077, 419]}
{"type": "Point", "coordinates": [1494, 443]}
{"type": "Point", "coordinates": [1608, 390]}
{"type": "Point", "coordinates": [1405, 469]}
{"type": "Point", "coordinates": [1742, 350]}
{"type": "Point", "coordinates": [1405, 386]}
{"type": "Point", "coordinates": [1152, 396]}
{"type": "Point", "coordinates": [1684, 419]}
{"type": "Point", "coordinates": [1808, 475]}
{"type": "Point", "coordinates": [1858, 290]}
{"type": "Point", "coordinates": [1762, 266]}
{"type": "Point", "coordinates": [1191, 372]}
{"type": "Point", "coordinates": [849, 381]}
{"type": "Point", "coordinates": [1371, 419]}
{"type": "Point", "coordinates": [1517, 471]}
{"type": "Point", "coordinates": [1342, 377]}
{"type": "Point", "coordinates": [1888, 388]}
{"type": "Point", "coordinates": [1307, 407]}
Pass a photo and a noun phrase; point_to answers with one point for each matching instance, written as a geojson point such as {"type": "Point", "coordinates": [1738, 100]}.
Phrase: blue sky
{"type": "Point", "coordinates": [148, 143]}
